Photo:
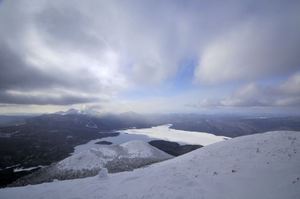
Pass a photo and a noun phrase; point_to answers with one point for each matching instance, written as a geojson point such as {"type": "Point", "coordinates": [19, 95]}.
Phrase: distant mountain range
{"type": "Point", "coordinates": [225, 125]}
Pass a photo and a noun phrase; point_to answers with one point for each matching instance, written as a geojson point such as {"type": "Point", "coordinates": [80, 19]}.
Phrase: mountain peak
{"type": "Point", "coordinates": [71, 111]}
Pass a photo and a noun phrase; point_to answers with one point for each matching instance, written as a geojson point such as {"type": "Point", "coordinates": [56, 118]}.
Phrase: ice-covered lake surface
{"type": "Point", "coordinates": [120, 139]}
{"type": "Point", "coordinates": [162, 132]}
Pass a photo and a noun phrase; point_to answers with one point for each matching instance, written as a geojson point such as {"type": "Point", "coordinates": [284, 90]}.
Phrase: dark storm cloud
{"type": "Point", "coordinates": [43, 99]}
{"type": "Point", "coordinates": [16, 74]}
{"type": "Point", "coordinates": [50, 55]}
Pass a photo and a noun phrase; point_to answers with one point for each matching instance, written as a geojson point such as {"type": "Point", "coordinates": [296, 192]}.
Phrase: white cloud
{"type": "Point", "coordinates": [292, 85]}
{"type": "Point", "coordinates": [253, 94]}
{"type": "Point", "coordinates": [260, 47]}
{"type": "Point", "coordinates": [98, 49]}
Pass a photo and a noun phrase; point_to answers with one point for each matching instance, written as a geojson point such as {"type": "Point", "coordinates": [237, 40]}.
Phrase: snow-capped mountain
{"type": "Point", "coordinates": [73, 111]}
{"type": "Point", "coordinates": [70, 111]}
{"type": "Point", "coordinates": [91, 125]}
{"type": "Point", "coordinates": [265, 166]}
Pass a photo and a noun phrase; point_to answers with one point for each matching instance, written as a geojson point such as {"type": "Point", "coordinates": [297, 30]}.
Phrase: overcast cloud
{"type": "Point", "coordinates": [92, 52]}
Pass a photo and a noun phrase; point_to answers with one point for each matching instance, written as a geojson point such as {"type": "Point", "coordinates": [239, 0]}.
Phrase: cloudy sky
{"type": "Point", "coordinates": [149, 56]}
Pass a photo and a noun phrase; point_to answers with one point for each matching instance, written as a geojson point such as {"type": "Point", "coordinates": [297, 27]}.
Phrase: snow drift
{"type": "Point", "coordinates": [263, 166]}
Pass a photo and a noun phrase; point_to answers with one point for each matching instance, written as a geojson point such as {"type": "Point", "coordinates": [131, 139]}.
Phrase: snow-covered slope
{"type": "Point", "coordinates": [115, 158]}
{"type": "Point", "coordinates": [164, 132]}
{"type": "Point", "coordinates": [262, 166]}
{"type": "Point", "coordinates": [135, 149]}
{"type": "Point", "coordinates": [99, 157]}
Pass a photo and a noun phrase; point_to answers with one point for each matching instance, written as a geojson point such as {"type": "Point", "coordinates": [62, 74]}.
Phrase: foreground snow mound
{"type": "Point", "coordinates": [164, 132]}
{"type": "Point", "coordinates": [262, 166]}
{"type": "Point", "coordinates": [114, 158]}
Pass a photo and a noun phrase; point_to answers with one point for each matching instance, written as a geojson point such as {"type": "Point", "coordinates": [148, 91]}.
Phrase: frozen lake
{"type": "Point", "coordinates": [120, 139]}
{"type": "Point", "coordinates": [163, 132]}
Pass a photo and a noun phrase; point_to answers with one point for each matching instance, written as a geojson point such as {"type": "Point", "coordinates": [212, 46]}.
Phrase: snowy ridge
{"type": "Point", "coordinates": [265, 166]}
{"type": "Point", "coordinates": [164, 132]}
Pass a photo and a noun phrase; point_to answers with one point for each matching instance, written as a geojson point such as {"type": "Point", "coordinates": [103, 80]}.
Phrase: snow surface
{"type": "Point", "coordinates": [113, 158]}
{"type": "Point", "coordinates": [27, 169]}
{"type": "Point", "coordinates": [262, 166]}
{"type": "Point", "coordinates": [164, 132]}
{"type": "Point", "coordinates": [98, 157]}
{"type": "Point", "coordinates": [88, 159]}
{"type": "Point", "coordinates": [143, 150]}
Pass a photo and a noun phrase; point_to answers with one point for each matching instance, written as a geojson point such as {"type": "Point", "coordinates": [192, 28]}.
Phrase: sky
{"type": "Point", "coordinates": [155, 56]}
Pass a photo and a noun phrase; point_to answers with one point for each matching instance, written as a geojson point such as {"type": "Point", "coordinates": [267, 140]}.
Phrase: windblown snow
{"type": "Point", "coordinates": [164, 132]}
{"type": "Point", "coordinates": [263, 166]}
